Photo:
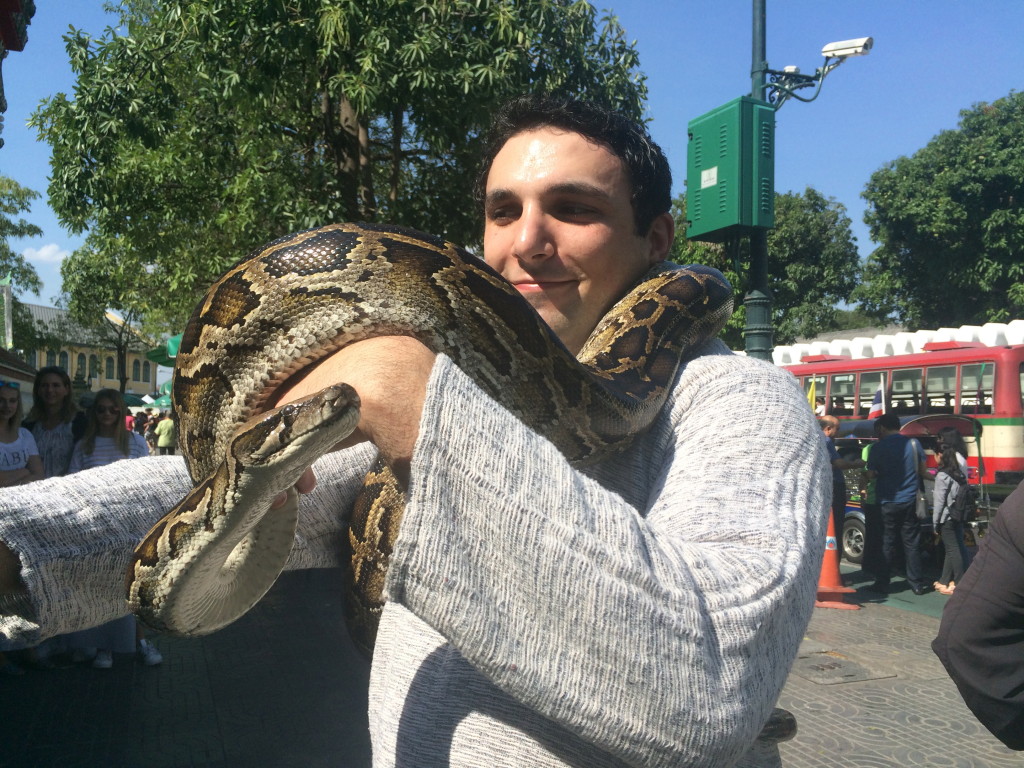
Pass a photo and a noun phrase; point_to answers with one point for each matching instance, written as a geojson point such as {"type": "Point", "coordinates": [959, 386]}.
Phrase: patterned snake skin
{"type": "Point", "coordinates": [303, 297]}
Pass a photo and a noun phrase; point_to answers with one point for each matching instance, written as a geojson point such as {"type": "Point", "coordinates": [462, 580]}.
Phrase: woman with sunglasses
{"type": "Point", "coordinates": [54, 419]}
{"type": "Point", "coordinates": [106, 440]}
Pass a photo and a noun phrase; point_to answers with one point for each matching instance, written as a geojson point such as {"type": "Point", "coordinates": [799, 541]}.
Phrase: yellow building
{"type": "Point", "coordinates": [87, 357]}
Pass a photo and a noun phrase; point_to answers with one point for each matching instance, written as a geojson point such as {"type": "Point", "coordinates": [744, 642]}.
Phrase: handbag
{"type": "Point", "coordinates": [921, 504]}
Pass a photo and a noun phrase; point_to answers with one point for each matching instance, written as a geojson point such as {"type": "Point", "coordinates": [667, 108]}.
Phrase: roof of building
{"type": "Point", "coordinates": [13, 366]}
{"type": "Point", "coordinates": [59, 322]}
{"type": "Point", "coordinates": [893, 340]}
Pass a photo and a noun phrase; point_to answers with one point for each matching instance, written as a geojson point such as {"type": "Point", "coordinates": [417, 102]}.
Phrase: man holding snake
{"type": "Point", "coordinates": [642, 611]}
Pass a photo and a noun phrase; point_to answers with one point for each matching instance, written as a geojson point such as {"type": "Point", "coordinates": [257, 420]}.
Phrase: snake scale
{"type": "Point", "coordinates": [301, 298]}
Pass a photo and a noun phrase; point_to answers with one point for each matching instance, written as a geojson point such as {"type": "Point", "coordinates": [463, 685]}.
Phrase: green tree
{"type": "Point", "coordinates": [104, 292]}
{"type": "Point", "coordinates": [812, 265]}
{"type": "Point", "coordinates": [950, 220]}
{"type": "Point", "coordinates": [15, 200]}
{"type": "Point", "coordinates": [213, 126]}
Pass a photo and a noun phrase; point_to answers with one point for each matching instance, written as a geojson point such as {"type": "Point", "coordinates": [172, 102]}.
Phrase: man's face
{"type": "Point", "coordinates": [560, 228]}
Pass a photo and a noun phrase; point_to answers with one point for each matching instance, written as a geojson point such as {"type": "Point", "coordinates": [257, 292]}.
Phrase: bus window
{"type": "Point", "coordinates": [940, 386]}
{"type": "Point", "coordinates": [905, 397]}
{"type": "Point", "coordinates": [819, 392]}
{"type": "Point", "coordinates": [841, 394]}
{"type": "Point", "coordinates": [869, 384]}
{"type": "Point", "coordinates": [976, 387]}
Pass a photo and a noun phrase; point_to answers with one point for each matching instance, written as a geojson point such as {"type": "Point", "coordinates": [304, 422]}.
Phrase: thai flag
{"type": "Point", "coordinates": [877, 405]}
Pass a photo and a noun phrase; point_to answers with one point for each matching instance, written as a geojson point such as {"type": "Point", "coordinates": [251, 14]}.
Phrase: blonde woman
{"type": "Point", "coordinates": [106, 440]}
{"type": "Point", "coordinates": [19, 462]}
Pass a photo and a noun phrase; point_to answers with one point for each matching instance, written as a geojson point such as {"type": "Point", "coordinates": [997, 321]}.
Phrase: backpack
{"type": "Point", "coordinates": [961, 499]}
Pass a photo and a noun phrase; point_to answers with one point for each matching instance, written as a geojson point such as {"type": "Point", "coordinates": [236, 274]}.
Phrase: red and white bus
{"type": "Point", "coordinates": [948, 377]}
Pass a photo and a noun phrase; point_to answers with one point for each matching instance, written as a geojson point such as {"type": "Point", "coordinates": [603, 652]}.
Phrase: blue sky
{"type": "Point", "coordinates": [931, 59]}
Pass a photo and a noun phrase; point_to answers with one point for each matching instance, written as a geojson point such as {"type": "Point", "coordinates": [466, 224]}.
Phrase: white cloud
{"type": "Point", "coordinates": [48, 254]}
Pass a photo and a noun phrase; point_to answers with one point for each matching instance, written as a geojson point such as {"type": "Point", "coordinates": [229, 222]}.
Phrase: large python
{"type": "Point", "coordinates": [301, 298]}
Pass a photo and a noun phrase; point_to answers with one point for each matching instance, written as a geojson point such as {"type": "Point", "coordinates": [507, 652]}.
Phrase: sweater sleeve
{"type": "Point", "coordinates": [939, 498]}
{"type": "Point", "coordinates": [661, 633]}
{"type": "Point", "coordinates": [981, 637]}
{"type": "Point", "coordinates": [75, 535]}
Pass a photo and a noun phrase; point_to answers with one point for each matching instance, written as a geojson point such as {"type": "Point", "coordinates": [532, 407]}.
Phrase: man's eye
{"type": "Point", "coordinates": [501, 214]}
{"type": "Point", "coordinates": [573, 211]}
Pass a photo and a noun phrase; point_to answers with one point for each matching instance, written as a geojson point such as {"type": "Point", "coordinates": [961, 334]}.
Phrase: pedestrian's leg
{"type": "Point", "coordinates": [911, 534]}
{"type": "Point", "coordinates": [948, 536]}
{"type": "Point", "coordinates": [890, 542]}
{"type": "Point", "coordinates": [958, 547]}
{"type": "Point", "coordinates": [874, 559]}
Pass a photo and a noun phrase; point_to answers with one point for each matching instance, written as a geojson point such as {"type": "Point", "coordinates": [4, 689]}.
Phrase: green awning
{"type": "Point", "coordinates": [166, 352]}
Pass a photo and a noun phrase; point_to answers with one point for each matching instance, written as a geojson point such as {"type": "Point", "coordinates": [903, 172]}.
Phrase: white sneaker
{"type": "Point", "coordinates": [103, 660]}
{"type": "Point", "coordinates": [149, 654]}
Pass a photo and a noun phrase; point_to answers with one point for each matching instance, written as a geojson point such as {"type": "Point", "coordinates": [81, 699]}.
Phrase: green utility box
{"type": "Point", "coordinates": [730, 170]}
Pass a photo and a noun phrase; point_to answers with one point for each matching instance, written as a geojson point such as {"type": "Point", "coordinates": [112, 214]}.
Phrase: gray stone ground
{"type": "Point", "coordinates": [280, 688]}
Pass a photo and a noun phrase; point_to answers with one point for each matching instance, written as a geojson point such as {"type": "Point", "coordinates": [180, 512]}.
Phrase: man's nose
{"type": "Point", "coordinates": [533, 239]}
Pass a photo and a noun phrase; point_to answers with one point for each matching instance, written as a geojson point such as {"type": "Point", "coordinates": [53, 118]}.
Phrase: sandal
{"type": "Point", "coordinates": [942, 589]}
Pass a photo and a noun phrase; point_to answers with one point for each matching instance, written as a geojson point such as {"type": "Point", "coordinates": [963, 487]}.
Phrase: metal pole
{"type": "Point", "coordinates": [757, 334]}
{"type": "Point", "coordinates": [759, 58]}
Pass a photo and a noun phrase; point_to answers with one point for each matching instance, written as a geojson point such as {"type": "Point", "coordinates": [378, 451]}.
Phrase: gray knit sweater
{"type": "Point", "coordinates": [644, 612]}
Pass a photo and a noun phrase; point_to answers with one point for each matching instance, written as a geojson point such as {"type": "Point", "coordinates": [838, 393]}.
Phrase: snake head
{"type": "Point", "coordinates": [306, 428]}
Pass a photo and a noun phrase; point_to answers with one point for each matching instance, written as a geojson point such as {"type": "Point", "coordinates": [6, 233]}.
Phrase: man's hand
{"type": "Point", "coordinates": [390, 375]}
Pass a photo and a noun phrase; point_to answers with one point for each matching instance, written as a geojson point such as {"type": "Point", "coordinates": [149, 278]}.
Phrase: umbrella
{"type": "Point", "coordinates": [132, 401]}
{"type": "Point", "coordinates": [162, 402]}
{"type": "Point", "coordinates": [166, 352]}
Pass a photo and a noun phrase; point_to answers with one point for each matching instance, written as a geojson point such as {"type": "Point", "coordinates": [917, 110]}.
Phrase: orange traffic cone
{"type": "Point", "coordinates": [830, 583]}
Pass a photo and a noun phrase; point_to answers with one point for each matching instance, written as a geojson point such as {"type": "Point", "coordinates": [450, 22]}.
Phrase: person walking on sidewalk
{"type": "Point", "coordinates": [830, 430]}
{"type": "Point", "coordinates": [166, 436]}
{"type": "Point", "coordinates": [949, 476]}
{"type": "Point", "coordinates": [897, 462]}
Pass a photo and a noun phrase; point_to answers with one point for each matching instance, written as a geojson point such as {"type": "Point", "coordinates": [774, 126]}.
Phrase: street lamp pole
{"type": "Point", "coordinates": [730, 168]}
{"type": "Point", "coordinates": [757, 333]}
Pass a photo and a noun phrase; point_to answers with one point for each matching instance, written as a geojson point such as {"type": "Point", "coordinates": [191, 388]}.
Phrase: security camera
{"type": "Point", "coordinates": [845, 48]}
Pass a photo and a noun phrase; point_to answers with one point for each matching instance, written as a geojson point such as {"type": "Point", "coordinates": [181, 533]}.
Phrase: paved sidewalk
{"type": "Point", "coordinates": [867, 691]}
{"type": "Point", "coordinates": [282, 687]}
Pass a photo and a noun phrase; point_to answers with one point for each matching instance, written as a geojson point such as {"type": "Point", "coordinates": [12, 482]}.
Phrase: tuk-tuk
{"type": "Point", "coordinates": [926, 430]}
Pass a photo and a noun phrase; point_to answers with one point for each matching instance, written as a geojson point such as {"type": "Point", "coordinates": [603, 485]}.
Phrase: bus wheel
{"type": "Point", "coordinates": [853, 540]}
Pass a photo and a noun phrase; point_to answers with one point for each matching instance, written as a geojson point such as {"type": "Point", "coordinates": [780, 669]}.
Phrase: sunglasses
{"type": "Point", "coordinates": [105, 409]}
{"type": "Point", "coordinates": [11, 384]}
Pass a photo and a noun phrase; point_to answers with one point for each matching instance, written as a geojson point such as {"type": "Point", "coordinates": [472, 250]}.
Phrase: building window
{"type": "Point", "coordinates": [145, 371]}
{"type": "Point", "coordinates": [51, 357]}
{"type": "Point", "coordinates": [64, 362]}
{"type": "Point", "coordinates": [94, 367]}
{"type": "Point", "coordinates": [136, 371]}
{"type": "Point", "coordinates": [110, 369]}
{"type": "Point", "coordinates": [30, 357]}
{"type": "Point", "coordinates": [80, 368]}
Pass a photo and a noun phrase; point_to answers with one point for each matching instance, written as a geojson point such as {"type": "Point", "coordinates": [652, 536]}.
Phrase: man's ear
{"type": "Point", "coordinates": [660, 237]}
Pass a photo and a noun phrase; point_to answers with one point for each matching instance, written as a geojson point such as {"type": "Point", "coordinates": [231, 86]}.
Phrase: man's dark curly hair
{"type": "Point", "coordinates": [649, 173]}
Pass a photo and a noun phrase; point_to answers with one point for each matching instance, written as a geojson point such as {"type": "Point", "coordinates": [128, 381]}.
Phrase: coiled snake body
{"type": "Point", "coordinates": [301, 298]}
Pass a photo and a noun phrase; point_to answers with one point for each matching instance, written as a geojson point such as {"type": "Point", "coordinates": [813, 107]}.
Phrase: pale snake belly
{"type": "Point", "coordinates": [303, 297]}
